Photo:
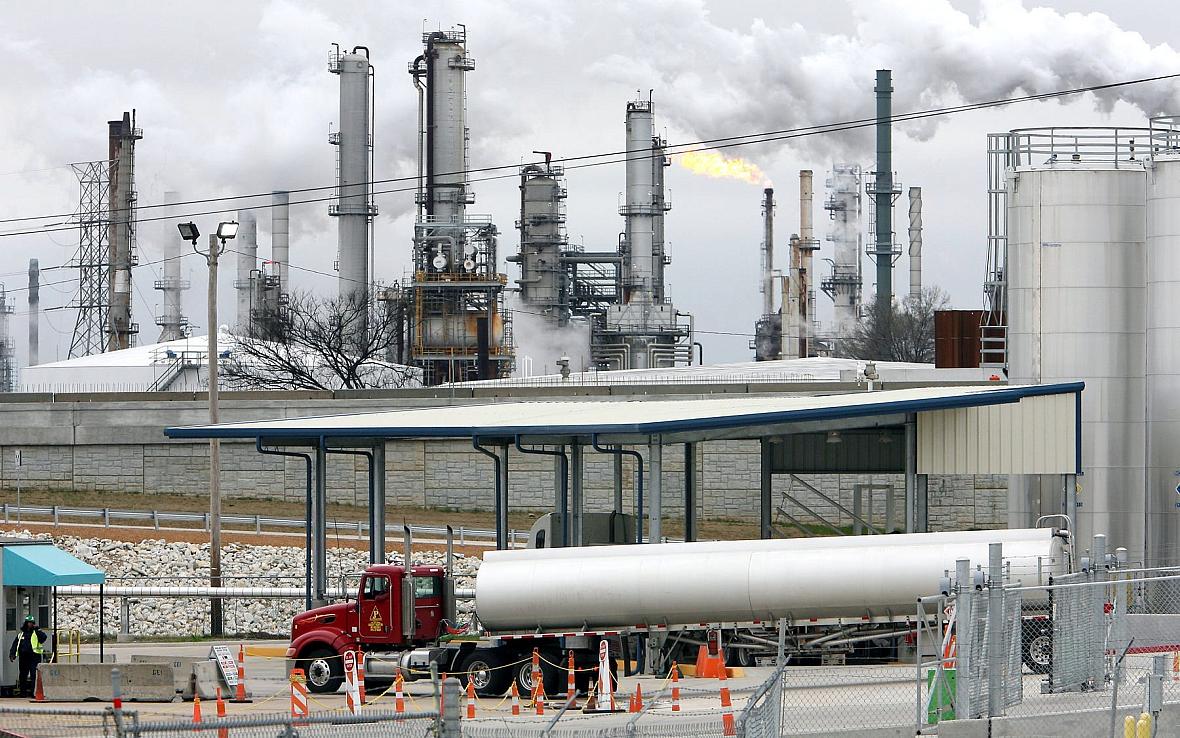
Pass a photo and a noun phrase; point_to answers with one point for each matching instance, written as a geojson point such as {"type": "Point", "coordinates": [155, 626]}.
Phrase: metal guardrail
{"type": "Point", "coordinates": [155, 517]}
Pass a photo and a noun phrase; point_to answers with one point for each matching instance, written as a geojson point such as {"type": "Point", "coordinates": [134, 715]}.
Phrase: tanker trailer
{"type": "Point", "coordinates": [836, 595]}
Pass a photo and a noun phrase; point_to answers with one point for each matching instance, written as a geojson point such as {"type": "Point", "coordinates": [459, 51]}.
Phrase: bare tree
{"type": "Point", "coordinates": [896, 332]}
{"type": "Point", "coordinates": [319, 343]}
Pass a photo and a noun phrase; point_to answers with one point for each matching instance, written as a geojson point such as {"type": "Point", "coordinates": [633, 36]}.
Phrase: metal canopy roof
{"type": "Point", "coordinates": [43, 565]}
{"type": "Point", "coordinates": [703, 419]}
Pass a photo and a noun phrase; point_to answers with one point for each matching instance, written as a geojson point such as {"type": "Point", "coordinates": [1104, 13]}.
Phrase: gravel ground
{"type": "Point", "coordinates": [158, 562]}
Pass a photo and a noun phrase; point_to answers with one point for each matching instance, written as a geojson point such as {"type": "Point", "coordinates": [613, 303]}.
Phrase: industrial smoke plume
{"type": "Point", "coordinates": [773, 78]}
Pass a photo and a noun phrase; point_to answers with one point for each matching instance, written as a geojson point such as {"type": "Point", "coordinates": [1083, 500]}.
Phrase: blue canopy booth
{"type": "Point", "coordinates": [30, 572]}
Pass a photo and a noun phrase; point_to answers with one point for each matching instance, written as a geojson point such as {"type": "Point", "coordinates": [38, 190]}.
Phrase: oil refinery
{"type": "Point", "coordinates": [484, 475]}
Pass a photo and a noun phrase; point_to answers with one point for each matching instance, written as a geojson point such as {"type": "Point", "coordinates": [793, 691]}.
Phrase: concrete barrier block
{"type": "Point", "coordinates": [92, 682]}
{"type": "Point", "coordinates": [205, 679]}
{"type": "Point", "coordinates": [963, 729]}
{"type": "Point", "coordinates": [182, 670]}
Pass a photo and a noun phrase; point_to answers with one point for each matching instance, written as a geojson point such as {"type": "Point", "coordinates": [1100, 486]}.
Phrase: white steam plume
{"type": "Point", "coordinates": [772, 78]}
{"type": "Point", "coordinates": [539, 343]}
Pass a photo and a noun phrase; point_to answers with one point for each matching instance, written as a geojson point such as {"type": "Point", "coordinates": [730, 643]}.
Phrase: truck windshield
{"type": "Point", "coordinates": [376, 587]}
{"type": "Point", "coordinates": [426, 587]}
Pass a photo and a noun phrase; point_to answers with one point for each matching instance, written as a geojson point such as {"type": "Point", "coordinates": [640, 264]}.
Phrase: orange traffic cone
{"type": "Point", "coordinates": [240, 691]}
{"type": "Point", "coordinates": [221, 732]}
{"type": "Point", "coordinates": [637, 700]}
{"type": "Point", "coordinates": [515, 699]}
{"type": "Point", "coordinates": [726, 708]}
{"type": "Point", "coordinates": [675, 687]}
{"type": "Point", "coordinates": [38, 689]}
{"type": "Point", "coordinates": [196, 709]}
{"type": "Point", "coordinates": [470, 698]}
{"type": "Point", "coordinates": [399, 697]}
{"type": "Point", "coordinates": [360, 673]}
{"type": "Point", "coordinates": [571, 689]}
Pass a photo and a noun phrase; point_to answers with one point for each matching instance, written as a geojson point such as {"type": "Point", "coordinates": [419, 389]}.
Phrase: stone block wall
{"type": "Point", "coordinates": [117, 447]}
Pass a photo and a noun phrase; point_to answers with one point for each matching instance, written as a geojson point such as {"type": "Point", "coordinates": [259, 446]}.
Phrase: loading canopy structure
{"type": "Point", "coordinates": [938, 430]}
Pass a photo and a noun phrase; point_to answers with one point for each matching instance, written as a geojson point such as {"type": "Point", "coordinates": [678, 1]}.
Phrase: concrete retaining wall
{"type": "Point", "coordinates": [117, 444]}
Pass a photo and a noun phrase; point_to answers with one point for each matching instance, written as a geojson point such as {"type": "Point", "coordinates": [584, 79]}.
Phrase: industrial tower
{"type": "Point", "coordinates": [106, 244]}
{"type": "Point", "coordinates": [7, 346]}
{"type": "Point", "coordinates": [123, 135]}
{"type": "Point", "coordinates": [353, 206]}
{"type": "Point", "coordinates": [644, 330]}
{"type": "Point", "coordinates": [259, 296]}
{"type": "Point", "coordinates": [558, 280]}
{"type": "Point", "coordinates": [883, 190]}
{"type": "Point", "coordinates": [453, 305]}
{"type": "Point", "coordinates": [171, 319]}
{"type": "Point", "coordinates": [799, 296]}
{"type": "Point", "coordinates": [768, 330]}
{"type": "Point", "coordinates": [844, 282]}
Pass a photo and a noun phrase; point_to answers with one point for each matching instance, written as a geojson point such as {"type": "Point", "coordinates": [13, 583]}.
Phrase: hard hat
{"type": "Point", "coordinates": [30, 619]}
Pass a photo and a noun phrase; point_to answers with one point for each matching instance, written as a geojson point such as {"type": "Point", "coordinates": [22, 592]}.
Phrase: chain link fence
{"type": "Point", "coordinates": [29, 722]}
{"type": "Point", "coordinates": [386, 724]}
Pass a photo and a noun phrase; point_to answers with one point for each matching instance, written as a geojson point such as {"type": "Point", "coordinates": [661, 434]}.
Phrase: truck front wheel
{"type": "Point", "coordinates": [323, 669]}
{"type": "Point", "coordinates": [487, 670]}
{"type": "Point", "coordinates": [1037, 646]}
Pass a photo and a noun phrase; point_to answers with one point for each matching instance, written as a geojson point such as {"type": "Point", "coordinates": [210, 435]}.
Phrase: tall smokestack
{"type": "Point", "coordinates": [121, 153]}
{"type": "Point", "coordinates": [280, 235]}
{"type": "Point", "coordinates": [883, 189]}
{"type": "Point", "coordinates": [915, 242]}
{"type": "Point", "coordinates": [354, 205]}
{"type": "Point", "coordinates": [808, 245]}
{"type": "Point", "coordinates": [768, 251]}
{"type": "Point", "coordinates": [247, 248]}
{"type": "Point", "coordinates": [171, 320]}
{"type": "Point", "coordinates": [34, 313]}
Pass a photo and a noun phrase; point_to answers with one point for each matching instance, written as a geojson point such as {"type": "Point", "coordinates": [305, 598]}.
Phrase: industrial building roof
{"type": "Point", "coordinates": [814, 369]}
{"type": "Point", "coordinates": [635, 417]}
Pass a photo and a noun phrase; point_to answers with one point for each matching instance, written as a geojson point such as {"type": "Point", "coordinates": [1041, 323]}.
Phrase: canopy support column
{"type": "Point", "coordinates": [577, 501]}
{"type": "Point", "coordinates": [319, 520]}
{"type": "Point", "coordinates": [655, 455]}
{"type": "Point", "coordinates": [911, 473]}
{"type": "Point", "coordinates": [766, 487]}
{"type": "Point", "coordinates": [690, 491]}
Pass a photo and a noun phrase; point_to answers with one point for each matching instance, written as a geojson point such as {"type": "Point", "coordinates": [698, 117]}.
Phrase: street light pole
{"type": "Point", "coordinates": [225, 231]}
{"type": "Point", "coordinates": [215, 614]}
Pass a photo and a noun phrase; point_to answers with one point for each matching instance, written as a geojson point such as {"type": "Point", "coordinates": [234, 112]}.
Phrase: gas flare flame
{"type": "Point", "coordinates": [719, 166]}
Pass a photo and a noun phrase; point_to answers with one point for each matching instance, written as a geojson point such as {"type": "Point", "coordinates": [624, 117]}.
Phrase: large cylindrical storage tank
{"type": "Point", "coordinates": [1163, 359]}
{"type": "Point", "coordinates": [1076, 310]}
{"type": "Point", "coordinates": [742, 581]}
{"type": "Point", "coordinates": [353, 204]}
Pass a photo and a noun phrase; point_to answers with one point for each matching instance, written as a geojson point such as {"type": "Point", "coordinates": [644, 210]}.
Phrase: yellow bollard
{"type": "Point", "coordinates": [1143, 727]}
{"type": "Point", "coordinates": [1129, 726]}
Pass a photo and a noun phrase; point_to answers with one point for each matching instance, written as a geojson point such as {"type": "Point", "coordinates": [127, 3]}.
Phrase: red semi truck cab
{"type": "Point", "coordinates": [376, 621]}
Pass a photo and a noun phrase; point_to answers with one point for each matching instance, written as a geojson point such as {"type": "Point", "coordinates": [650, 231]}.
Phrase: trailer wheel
{"type": "Point", "coordinates": [485, 669]}
{"type": "Point", "coordinates": [524, 678]}
{"type": "Point", "coordinates": [1037, 647]}
{"type": "Point", "coordinates": [323, 668]}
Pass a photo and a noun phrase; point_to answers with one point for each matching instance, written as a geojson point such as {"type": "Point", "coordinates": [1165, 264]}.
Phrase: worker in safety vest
{"type": "Point", "coordinates": [28, 647]}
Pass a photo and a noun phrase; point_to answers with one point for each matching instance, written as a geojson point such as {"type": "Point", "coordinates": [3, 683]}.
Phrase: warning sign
{"type": "Point", "coordinates": [226, 664]}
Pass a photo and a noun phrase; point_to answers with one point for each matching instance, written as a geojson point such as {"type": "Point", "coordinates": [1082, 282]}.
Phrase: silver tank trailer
{"type": "Point", "coordinates": [742, 581]}
{"type": "Point", "coordinates": [1076, 261]}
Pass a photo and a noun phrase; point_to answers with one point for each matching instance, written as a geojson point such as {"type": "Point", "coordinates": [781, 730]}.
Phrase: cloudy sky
{"type": "Point", "coordinates": [235, 97]}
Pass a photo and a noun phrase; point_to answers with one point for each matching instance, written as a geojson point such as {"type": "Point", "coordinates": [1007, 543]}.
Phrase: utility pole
{"type": "Point", "coordinates": [225, 231]}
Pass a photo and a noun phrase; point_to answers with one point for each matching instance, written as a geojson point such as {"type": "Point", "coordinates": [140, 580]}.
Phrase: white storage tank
{"type": "Point", "coordinates": [742, 581]}
{"type": "Point", "coordinates": [1163, 344]}
{"type": "Point", "coordinates": [1076, 219]}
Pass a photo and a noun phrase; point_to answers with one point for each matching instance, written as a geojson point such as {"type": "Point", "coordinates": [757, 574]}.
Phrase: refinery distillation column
{"type": "Point", "coordinates": [844, 284]}
{"type": "Point", "coordinates": [544, 285]}
{"type": "Point", "coordinates": [768, 338]}
{"type": "Point", "coordinates": [458, 329]}
{"type": "Point", "coordinates": [121, 249]}
{"type": "Point", "coordinates": [171, 321]}
{"type": "Point", "coordinates": [280, 236]}
{"type": "Point", "coordinates": [354, 206]}
{"type": "Point", "coordinates": [643, 331]}
{"type": "Point", "coordinates": [807, 245]}
{"type": "Point", "coordinates": [7, 347]}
